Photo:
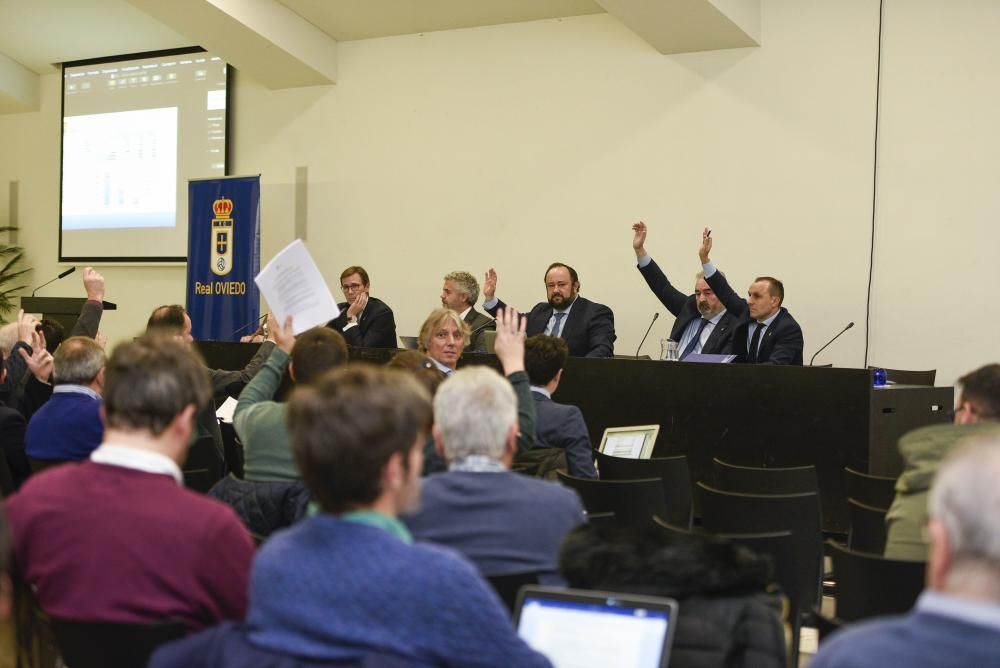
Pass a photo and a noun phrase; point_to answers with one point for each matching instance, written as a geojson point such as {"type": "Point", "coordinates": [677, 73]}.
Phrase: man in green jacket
{"type": "Point", "coordinates": [977, 412]}
{"type": "Point", "coordinates": [259, 421]}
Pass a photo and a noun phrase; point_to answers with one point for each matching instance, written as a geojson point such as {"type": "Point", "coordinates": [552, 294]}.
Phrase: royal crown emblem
{"type": "Point", "coordinates": [222, 237]}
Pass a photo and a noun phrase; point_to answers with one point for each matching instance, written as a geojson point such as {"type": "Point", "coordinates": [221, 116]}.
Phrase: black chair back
{"type": "Point", "coordinates": [869, 585]}
{"type": "Point", "coordinates": [756, 480]}
{"type": "Point", "coordinates": [673, 471]}
{"type": "Point", "coordinates": [872, 490]}
{"type": "Point", "coordinates": [634, 502]}
{"type": "Point", "coordinates": [204, 465]}
{"type": "Point", "coordinates": [601, 519]}
{"type": "Point", "coordinates": [866, 528]}
{"type": "Point", "coordinates": [6, 479]}
{"type": "Point", "coordinates": [734, 513]}
{"type": "Point", "coordinates": [107, 644]}
{"type": "Point", "coordinates": [508, 586]}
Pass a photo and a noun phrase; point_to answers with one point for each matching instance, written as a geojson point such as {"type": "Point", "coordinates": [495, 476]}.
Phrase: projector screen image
{"type": "Point", "coordinates": [134, 132]}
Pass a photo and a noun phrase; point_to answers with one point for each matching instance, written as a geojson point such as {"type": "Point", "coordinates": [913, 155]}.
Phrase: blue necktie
{"type": "Point", "coordinates": [557, 325]}
{"type": "Point", "coordinates": [694, 342]}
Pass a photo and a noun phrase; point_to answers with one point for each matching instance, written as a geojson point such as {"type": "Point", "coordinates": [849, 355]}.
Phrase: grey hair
{"type": "Point", "coordinates": [474, 410]}
{"type": "Point", "coordinates": [77, 361]}
{"type": "Point", "coordinates": [466, 283]}
{"type": "Point", "coordinates": [8, 338]}
{"type": "Point", "coordinates": [965, 497]}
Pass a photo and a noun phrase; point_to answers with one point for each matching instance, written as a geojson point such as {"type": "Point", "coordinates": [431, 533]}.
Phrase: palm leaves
{"type": "Point", "coordinates": [9, 256]}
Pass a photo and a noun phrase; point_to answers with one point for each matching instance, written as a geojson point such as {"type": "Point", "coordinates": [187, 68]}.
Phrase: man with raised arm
{"type": "Point", "coordinates": [702, 324]}
{"type": "Point", "coordinates": [587, 327]}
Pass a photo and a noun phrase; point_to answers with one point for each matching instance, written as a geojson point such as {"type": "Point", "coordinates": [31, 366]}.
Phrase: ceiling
{"type": "Point", "coordinates": [288, 43]}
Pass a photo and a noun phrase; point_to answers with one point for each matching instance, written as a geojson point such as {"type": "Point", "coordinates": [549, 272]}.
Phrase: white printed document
{"type": "Point", "coordinates": [293, 286]}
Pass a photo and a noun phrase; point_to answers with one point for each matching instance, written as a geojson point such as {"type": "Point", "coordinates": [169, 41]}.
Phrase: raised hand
{"type": "Point", "coordinates": [509, 344]}
{"type": "Point", "coordinates": [358, 305]}
{"type": "Point", "coordinates": [490, 285]}
{"type": "Point", "coordinates": [39, 362]}
{"type": "Point", "coordinates": [93, 283]}
{"type": "Point", "coordinates": [26, 324]}
{"type": "Point", "coordinates": [283, 337]}
{"type": "Point", "coordinates": [706, 245]}
{"type": "Point", "coordinates": [639, 240]}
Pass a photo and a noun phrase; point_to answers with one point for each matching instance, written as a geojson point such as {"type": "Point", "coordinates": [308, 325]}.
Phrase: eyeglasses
{"type": "Point", "coordinates": [352, 287]}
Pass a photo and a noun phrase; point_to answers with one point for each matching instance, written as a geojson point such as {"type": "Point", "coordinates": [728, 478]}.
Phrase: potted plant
{"type": "Point", "coordinates": [10, 256]}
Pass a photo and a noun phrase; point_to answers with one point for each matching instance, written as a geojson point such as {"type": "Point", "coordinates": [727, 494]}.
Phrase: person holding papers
{"type": "Point", "coordinates": [365, 322]}
{"type": "Point", "coordinates": [703, 324]}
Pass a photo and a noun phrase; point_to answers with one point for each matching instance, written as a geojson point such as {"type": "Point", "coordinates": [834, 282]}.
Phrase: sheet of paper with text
{"type": "Point", "coordinates": [293, 285]}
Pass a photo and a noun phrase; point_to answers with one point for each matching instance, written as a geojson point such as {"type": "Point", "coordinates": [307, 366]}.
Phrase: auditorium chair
{"type": "Point", "coordinates": [634, 502]}
{"type": "Point", "coordinates": [756, 480]}
{"type": "Point", "coordinates": [869, 585]}
{"type": "Point", "coordinates": [673, 471]}
{"type": "Point", "coordinates": [105, 644]}
{"type": "Point", "coordinates": [203, 466]}
{"type": "Point", "coordinates": [866, 527]}
{"type": "Point", "coordinates": [872, 490]}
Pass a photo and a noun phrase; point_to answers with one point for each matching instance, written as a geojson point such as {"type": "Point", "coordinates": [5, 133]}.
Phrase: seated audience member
{"type": "Point", "coordinates": [956, 621]}
{"type": "Point", "coordinates": [364, 321]}
{"type": "Point", "coordinates": [347, 584]}
{"type": "Point", "coordinates": [587, 327]}
{"type": "Point", "coordinates": [556, 425]}
{"type": "Point", "coordinates": [922, 450]}
{"type": "Point", "coordinates": [702, 323]}
{"type": "Point", "coordinates": [443, 337]}
{"type": "Point", "coordinates": [428, 375]}
{"type": "Point", "coordinates": [502, 521]}
{"type": "Point", "coordinates": [726, 617]}
{"type": "Point", "coordinates": [12, 428]}
{"type": "Point", "coordinates": [117, 538]}
{"type": "Point", "coordinates": [460, 293]}
{"type": "Point", "coordinates": [68, 427]}
{"type": "Point", "coordinates": [259, 421]}
{"type": "Point", "coordinates": [174, 320]}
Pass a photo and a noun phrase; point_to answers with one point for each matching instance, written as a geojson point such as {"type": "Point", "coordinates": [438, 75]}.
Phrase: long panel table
{"type": "Point", "coordinates": [753, 415]}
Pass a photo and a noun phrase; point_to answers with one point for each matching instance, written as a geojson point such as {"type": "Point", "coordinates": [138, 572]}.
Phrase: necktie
{"type": "Point", "coordinates": [755, 343]}
{"type": "Point", "coordinates": [693, 343]}
{"type": "Point", "coordinates": [557, 325]}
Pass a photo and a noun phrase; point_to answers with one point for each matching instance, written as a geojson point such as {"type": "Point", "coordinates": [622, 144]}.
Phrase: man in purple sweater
{"type": "Point", "coordinates": [116, 538]}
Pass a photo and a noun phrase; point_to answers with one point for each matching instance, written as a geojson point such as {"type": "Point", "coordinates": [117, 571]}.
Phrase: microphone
{"type": "Point", "coordinates": [648, 329]}
{"type": "Point", "coordinates": [849, 325]}
{"type": "Point", "coordinates": [483, 326]}
{"type": "Point", "coordinates": [249, 325]}
{"type": "Point", "coordinates": [62, 275]}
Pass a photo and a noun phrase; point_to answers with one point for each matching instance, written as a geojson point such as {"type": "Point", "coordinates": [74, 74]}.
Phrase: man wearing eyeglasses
{"type": "Point", "coordinates": [365, 322]}
{"type": "Point", "coordinates": [977, 412]}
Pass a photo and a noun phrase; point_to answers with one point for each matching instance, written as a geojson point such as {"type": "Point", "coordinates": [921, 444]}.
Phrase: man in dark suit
{"type": "Point", "coordinates": [460, 293]}
{"type": "Point", "coordinates": [556, 425]}
{"type": "Point", "coordinates": [365, 322]}
{"type": "Point", "coordinates": [587, 327]}
{"type": "Point", "coordinates": [702, 324]}
{"type": "Point", "coordinates": [771, 335]}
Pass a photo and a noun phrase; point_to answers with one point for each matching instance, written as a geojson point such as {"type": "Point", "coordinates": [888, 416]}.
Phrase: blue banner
{"type": "Point", "coordinates": [223, 257]}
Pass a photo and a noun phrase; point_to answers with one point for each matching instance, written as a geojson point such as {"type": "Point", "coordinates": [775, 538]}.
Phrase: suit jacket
{"type": "Point", "coordinates": [15, 469]}
{"type": "Point", "coordinates": [589, 330]}
{"type": "Point", "coordinates": [685, 309]}
{"type": "Point", "coordinates": [376, 327]}
{"type": "Point", "coordinates": [780, 344]}
{"type": "Point", "coordinates": [476, 320]}
{"type": "Point", "coordinates": [562, 426]}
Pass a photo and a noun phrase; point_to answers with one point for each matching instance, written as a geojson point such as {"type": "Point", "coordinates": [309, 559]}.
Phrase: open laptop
{"type": "Point", "coordinates": [630, 442]}
{"type": "Point", "coordinates": [409, 342]}
{"type": "Point", "coordinates": [593, 629]}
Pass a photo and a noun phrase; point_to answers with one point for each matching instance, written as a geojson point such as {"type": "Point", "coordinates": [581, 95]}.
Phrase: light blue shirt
{"type": "Point", "coordinates": [441, 367]}
{"type": "Point", "coordinates": [492, 304]}
{"type": "Point", "coordinates": [692, 330]}
{"type": "Point", "coordinates": [980, 613]}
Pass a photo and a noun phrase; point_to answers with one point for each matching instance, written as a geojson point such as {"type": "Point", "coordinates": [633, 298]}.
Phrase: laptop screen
{"type": "Point", "coordinates": [585, 629]}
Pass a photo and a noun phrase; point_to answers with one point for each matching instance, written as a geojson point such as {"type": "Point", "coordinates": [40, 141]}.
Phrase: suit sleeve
{"type": "Point", "coordinates": [498, 307]}
{"type": "Point", "coordinates": [380, 331]}
{"type": "Point", "coordinates": [732, 301]}
{"type": "Point", "coordinates": [788, 345]}
{"type": "Point", "coordinates": [579, 453]}
{"type": "Point", "coordinates": [601, 332]}
{"type": "Point", "coordinates": [223, 380]}
{"type": "Point", "coordinates": [89, 321]}
{"type": "Point", "coordinates": [526, 415]}
{"type": "Point", "coordinates": [672, 298]}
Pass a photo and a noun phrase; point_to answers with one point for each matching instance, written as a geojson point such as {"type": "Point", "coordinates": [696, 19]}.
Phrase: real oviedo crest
{"type": "Point", "coordinates": [222, 237]}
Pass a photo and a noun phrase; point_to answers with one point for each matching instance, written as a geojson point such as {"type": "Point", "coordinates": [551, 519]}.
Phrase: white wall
{"type": "Point", "coordinates": [516, 145]}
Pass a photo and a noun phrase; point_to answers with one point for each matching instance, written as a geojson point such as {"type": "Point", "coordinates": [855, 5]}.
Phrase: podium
{"type": "Point", "coordinates": [64, 310]}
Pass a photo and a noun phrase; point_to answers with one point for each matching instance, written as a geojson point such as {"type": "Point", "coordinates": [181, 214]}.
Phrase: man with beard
{"type": "Point", "coordinates": [702, 323]}
{"type": "Point", "coordinates": [365, 322]}
{"type": "Point", "coordinates": [587, 327]}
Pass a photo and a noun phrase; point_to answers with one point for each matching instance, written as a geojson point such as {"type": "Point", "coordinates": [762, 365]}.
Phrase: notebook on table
{"type": "Point", "coordinates": [593, 629]}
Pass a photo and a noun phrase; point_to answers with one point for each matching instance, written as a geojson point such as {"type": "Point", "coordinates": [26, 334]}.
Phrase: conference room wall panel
{"type": "Point", "coordinates": [513, 146]}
